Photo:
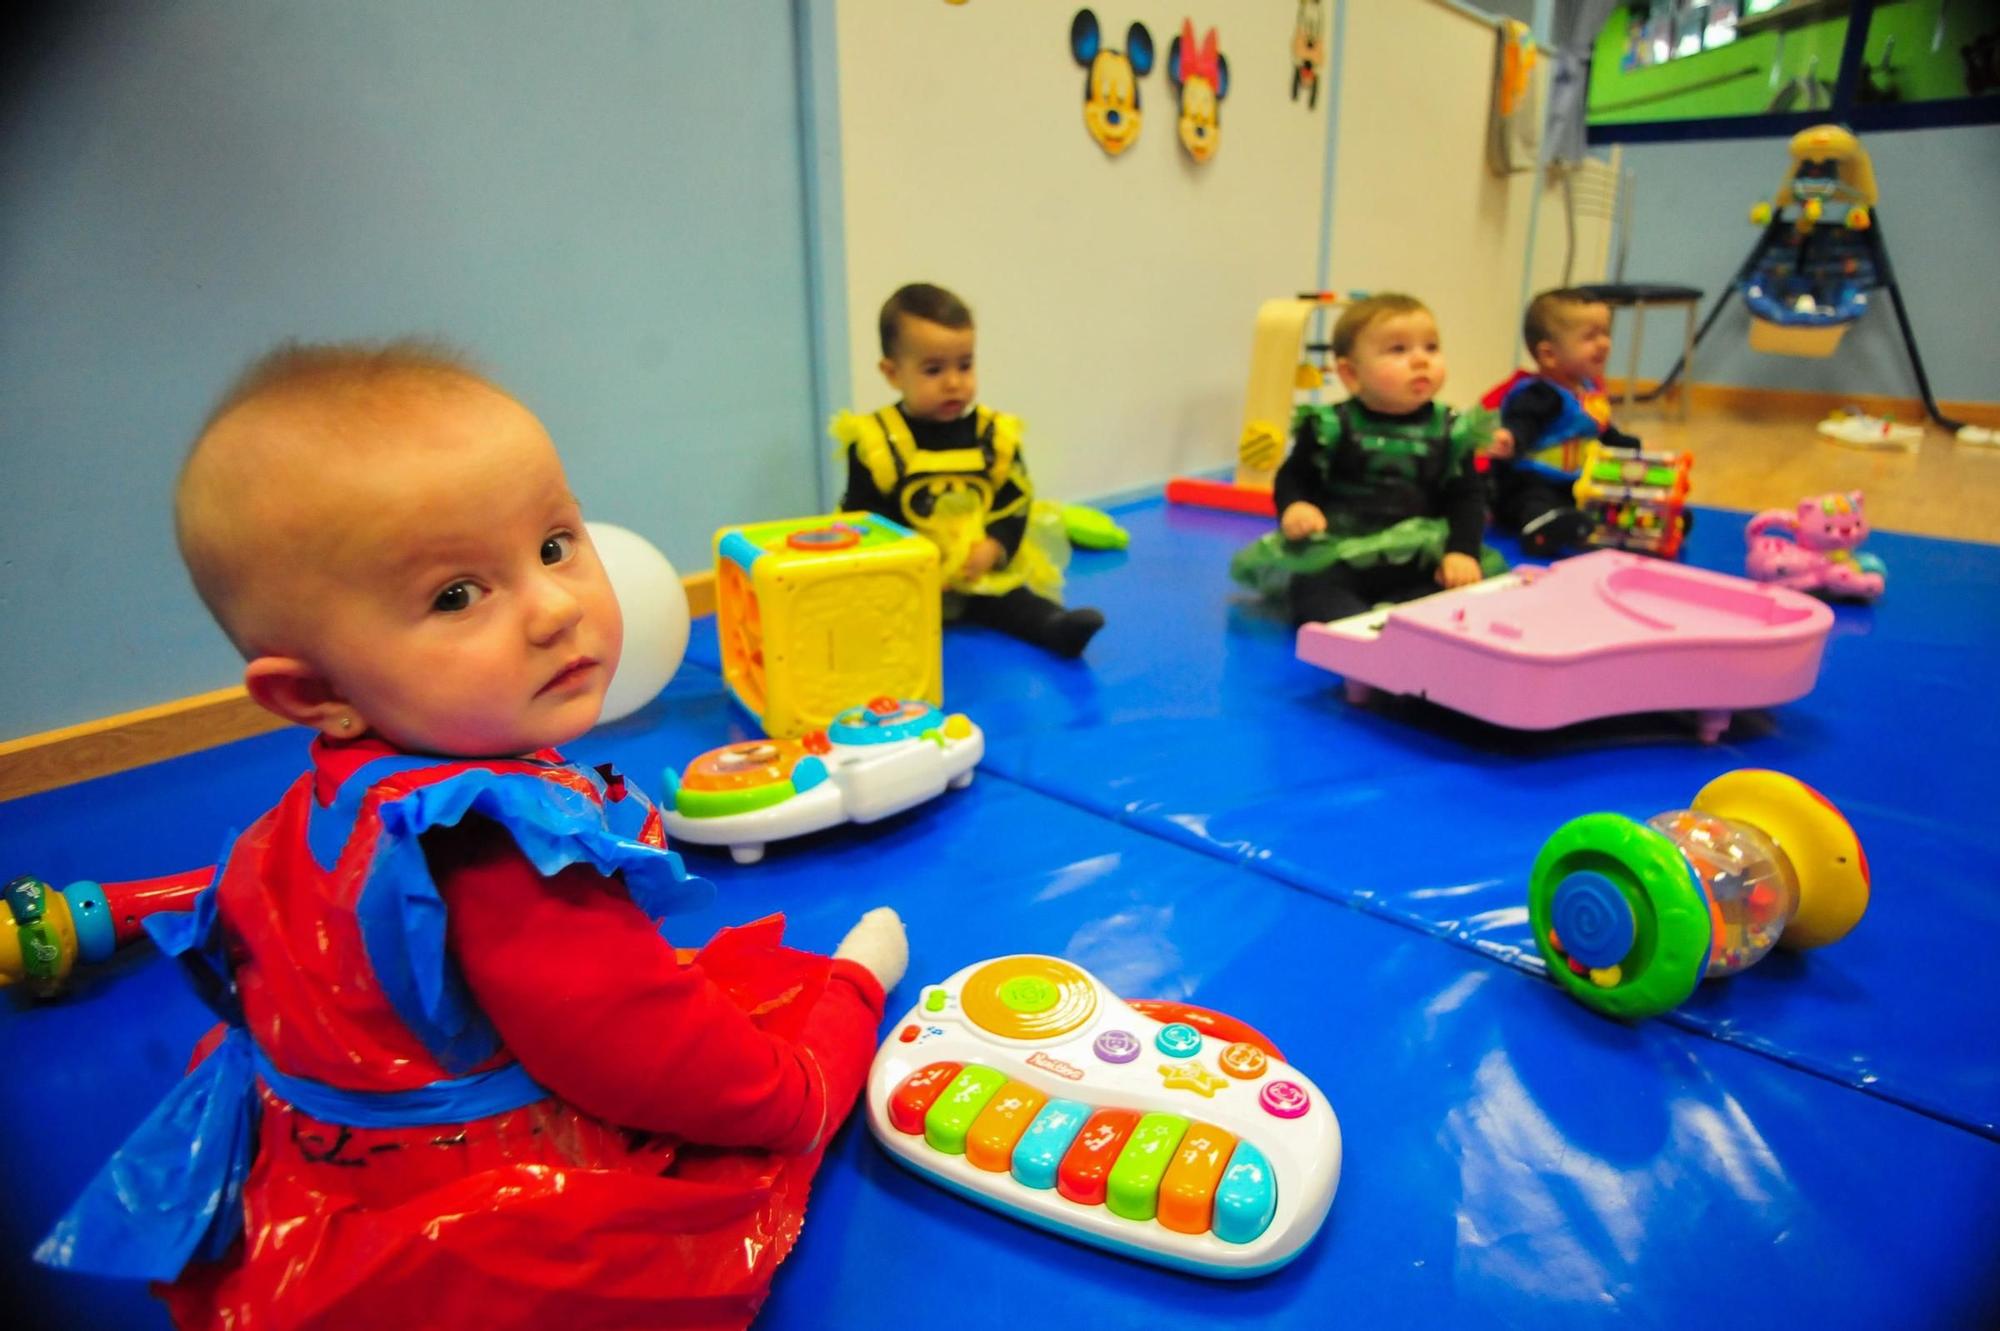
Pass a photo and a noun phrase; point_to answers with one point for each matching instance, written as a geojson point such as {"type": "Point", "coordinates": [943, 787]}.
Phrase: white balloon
{"type": "Point", "coordinates": [656, 617]}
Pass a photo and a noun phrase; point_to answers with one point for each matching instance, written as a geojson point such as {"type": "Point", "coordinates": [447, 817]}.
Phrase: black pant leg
{"type": "Point", "coordinates": [1342, 590]}
{"type": "Point", "coordinates": [1520, 498]}
{"type": "Point", "coordinates": [1403, 582]}
{"type": "Point", "coordinates": [1331, 593]}
{"type": "Point", "coordinates": [1018, 614]}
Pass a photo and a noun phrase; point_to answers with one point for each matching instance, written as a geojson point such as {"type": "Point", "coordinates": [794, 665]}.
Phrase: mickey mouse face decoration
{"type": "Point", "coordinates": [1111, 81]}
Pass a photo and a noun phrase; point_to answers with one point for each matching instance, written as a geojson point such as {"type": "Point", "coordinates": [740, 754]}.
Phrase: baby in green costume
{"type": "Point", "coordinates": [1379, 499]}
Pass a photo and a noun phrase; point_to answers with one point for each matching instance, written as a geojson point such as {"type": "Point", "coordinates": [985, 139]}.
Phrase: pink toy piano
{"type": "Point", "coordinates": [1599, 635]}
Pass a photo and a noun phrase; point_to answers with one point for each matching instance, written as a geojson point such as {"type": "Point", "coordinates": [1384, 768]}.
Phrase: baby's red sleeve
{"type": "Point", "coordinates": [598, 1008]}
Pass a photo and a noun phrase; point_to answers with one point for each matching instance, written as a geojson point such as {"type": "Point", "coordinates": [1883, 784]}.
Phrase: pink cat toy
{"type": "Point", "coordinates": [1813, 549]}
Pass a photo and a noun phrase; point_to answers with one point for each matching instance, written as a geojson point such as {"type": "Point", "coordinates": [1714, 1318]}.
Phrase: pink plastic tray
{"type": "Point", "coordinates": [1599, 635]}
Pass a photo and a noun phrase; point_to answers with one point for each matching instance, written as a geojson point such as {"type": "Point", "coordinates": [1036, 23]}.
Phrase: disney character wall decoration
{"type": "Point", "coordinates": [1308, 51]}
{"type": "Point", "coordinates": [1111, 80]}
{"type": "Point", "coordinates": [1200, 75]}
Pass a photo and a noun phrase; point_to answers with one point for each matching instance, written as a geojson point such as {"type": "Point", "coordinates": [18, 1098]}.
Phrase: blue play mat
{"type": "Point", "coordinates": [1191, 813]}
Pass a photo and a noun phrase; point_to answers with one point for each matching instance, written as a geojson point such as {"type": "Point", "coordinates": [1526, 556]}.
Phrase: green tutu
{"type": "Point", "coordinates": [1268, 564]}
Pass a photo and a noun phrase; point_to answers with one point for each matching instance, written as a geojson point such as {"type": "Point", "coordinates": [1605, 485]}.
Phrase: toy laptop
{"type": "Point", "coordinates": [874, 760]}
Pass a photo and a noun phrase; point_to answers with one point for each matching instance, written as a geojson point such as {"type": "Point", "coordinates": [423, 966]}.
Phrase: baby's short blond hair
{"type": "Point", "coordinates": [1354, 320]}
{"type": "Point", "coordinates": [298, 407]}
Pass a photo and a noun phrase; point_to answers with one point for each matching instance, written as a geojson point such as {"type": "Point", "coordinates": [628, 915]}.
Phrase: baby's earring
{"type": "Point", "coordinates": [346, 722]}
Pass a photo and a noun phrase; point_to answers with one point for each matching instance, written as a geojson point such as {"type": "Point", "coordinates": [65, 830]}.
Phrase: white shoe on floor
{"type": "Point", "coordinates": [1853, 427]}
{"type": "Point", "coordinates": [1978, 434]}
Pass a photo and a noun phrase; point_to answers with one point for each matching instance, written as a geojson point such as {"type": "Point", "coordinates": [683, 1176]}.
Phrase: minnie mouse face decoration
{"type": "Point", "coordinates": [1200, 75]}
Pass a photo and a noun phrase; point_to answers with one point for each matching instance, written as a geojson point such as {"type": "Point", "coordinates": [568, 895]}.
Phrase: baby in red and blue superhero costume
{"type": "Point", "coordinates": [1551, 412]}
{"type": "Point", "coordinates": [462, 1079]}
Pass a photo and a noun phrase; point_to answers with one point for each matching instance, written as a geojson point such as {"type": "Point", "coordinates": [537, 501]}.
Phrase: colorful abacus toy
{"type": "Point", "coordinates": [1026, 1085]}
{"type": "Point", "coordinates": [1631, 916]}
{"type": "Point", "coordinates": [1638, 500]}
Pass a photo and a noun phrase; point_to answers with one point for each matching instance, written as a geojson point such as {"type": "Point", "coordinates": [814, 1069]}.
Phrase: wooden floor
{"type": "Point", "coordinates": [1755, 459]}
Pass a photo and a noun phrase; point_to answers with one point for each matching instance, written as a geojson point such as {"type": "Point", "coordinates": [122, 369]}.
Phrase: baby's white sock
{"type": "Point", "coordinates": [877, 942]}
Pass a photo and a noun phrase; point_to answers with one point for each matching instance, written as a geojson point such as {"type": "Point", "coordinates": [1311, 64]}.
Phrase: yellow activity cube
{"type": "Point", "coordinates": [819, 614]}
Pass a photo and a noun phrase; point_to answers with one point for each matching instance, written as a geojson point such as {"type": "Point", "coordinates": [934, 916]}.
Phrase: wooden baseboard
{"type": "Point", "coordinates": [131, 739]}
{"type": "Point", "coordinates": [1786, 403]}
{"type": "Point", "coordinates": [54, 758]}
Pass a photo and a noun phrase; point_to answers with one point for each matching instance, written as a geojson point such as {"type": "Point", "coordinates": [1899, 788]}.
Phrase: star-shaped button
{"type": "Point", "coordinates": [1191, 1077]}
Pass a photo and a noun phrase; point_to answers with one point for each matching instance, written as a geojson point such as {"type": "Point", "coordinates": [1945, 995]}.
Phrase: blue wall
{"type": "Point", "coordinates": [602, 202]}
{"type": "Point", "coordinates": [1941, 215]}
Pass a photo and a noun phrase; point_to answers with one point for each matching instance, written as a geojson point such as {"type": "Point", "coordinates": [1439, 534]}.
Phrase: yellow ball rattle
{"type": "Point", "coordinates": [1631, 916]}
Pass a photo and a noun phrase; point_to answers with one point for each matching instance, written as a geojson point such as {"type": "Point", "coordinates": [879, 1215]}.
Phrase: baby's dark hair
{"type": "Point", "coordinates": [1356, 317]}
{"type": "Point", "coordinates": [1546, 311]}
{"type": "Point", "coordinates": [920, 300]}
